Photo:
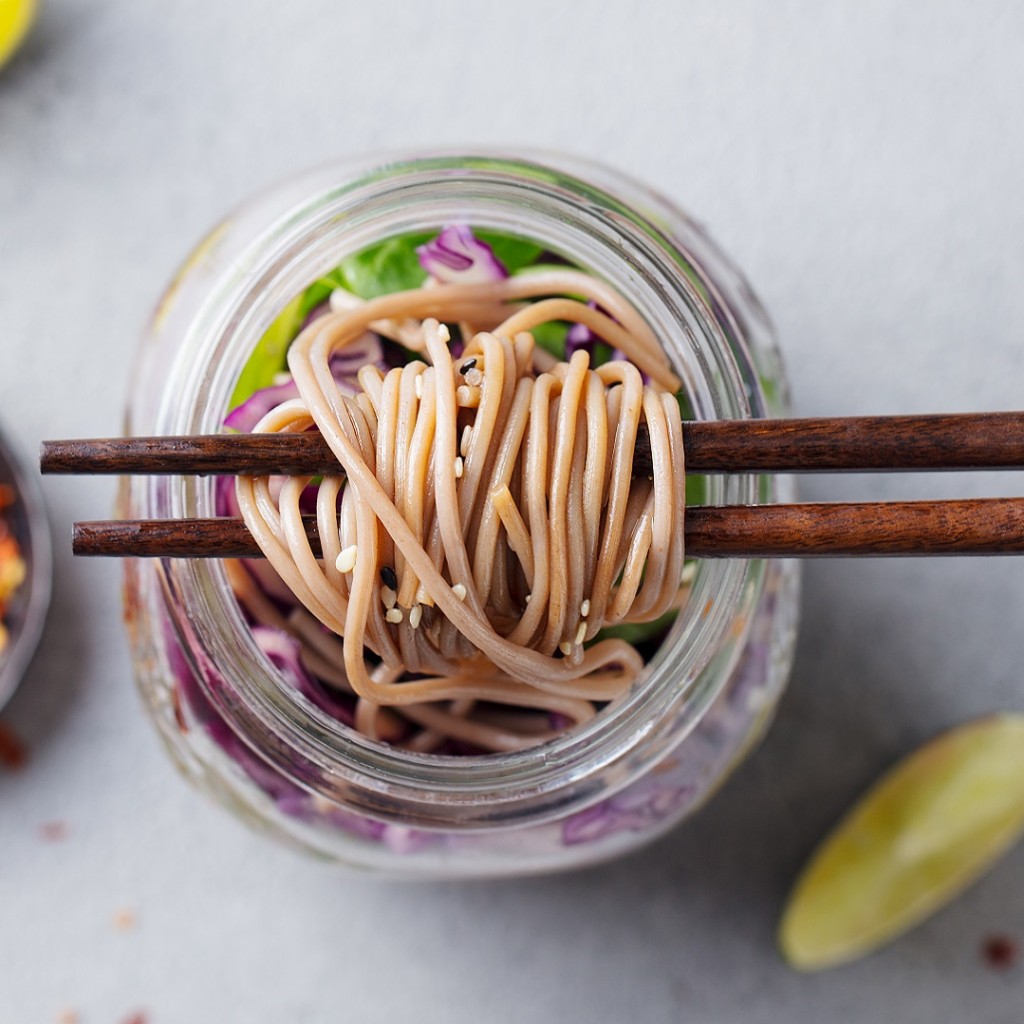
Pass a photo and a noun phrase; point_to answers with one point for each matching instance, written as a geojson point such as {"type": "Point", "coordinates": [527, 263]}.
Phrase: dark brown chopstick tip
{"type": "Point", "coordinates": [172, 538]}
{"type": "Point", "coordinates": [195, 455]}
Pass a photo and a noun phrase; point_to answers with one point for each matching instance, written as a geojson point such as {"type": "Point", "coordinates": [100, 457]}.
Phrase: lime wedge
{"type": "Point", "coordinates": [918, 837]}
{"type": "Point", "coordinates": [16, 16]}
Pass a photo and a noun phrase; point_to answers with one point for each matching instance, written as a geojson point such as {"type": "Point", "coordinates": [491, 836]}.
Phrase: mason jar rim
{"type": "Point", "coordinates": [561, 209]}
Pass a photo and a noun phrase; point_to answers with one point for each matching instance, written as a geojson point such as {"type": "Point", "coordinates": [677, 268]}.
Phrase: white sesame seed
{"type": "Point", "coordinates": [585, 608]}
{"type": "Point", "coordinates": [565, 647]}
{"type": "Point", "coordinates": [443, 333]}
{"type": "Point", "coordinates": [388, 596]}
{"type": "Point", "coordinates": [346, 561]}
{"type": "Point", "coordinates": [467, 432]}
{"type": "Point", "coordinates": [419, 386]}
{"type": "Point", "coordinates": [459, 590]}
{"type": "Point", "coordinates": [458, 466]}
{"type": "Point", "coordinates": [474, 378]}
{"type": "Point", "coordinates": [393, 615]}
{"type": "Point", "coordinates": [581, 632]}
{"type": "Point", "coordinates": [528, 596]}
{"type": "Point", "coordinates": [415, 615]}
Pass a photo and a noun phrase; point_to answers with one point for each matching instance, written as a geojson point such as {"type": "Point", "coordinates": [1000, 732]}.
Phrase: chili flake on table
{"type": "Point", "coordinates": [12, 565]}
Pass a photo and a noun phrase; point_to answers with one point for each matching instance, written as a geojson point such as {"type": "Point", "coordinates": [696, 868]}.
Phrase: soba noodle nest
{"type": "Point", "coordinates": [484, 523]}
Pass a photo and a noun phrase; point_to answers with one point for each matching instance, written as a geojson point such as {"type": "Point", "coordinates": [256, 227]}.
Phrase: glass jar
{"type": "Point", "coordinates": [239, 733]}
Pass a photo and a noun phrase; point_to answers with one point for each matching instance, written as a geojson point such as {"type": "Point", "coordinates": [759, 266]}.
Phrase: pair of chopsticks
{"type": "Point", "coordinates": [853, 444]}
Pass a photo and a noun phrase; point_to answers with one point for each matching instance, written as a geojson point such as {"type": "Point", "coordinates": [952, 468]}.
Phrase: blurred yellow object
{"type": "Point", "coordinates": [922, 834]}
{"type": "Point", "coordinates": [16, 17]}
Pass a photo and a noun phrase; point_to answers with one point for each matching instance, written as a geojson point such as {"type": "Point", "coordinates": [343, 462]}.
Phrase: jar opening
{"type": "Point", "coordinates": [613, 241]}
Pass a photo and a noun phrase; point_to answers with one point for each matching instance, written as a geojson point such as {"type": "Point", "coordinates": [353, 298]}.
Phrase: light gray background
{"type": "Point", "coordinates": [863, 161]}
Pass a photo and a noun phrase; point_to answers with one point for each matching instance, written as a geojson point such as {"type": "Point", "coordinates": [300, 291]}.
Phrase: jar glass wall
{"type": "Point", "coordinates": [643, 763]}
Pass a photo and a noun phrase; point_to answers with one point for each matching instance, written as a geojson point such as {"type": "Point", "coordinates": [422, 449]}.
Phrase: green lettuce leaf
{"type": "Point", "coordinates": [268, 357]}
{"type": "Point", "coordinates": [514, 253]}
{"type": "Point", "coordinates": [390, 266]}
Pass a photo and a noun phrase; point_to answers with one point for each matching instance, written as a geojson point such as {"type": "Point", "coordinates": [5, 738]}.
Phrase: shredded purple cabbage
{"type": "Point", "coordinates": [258, 404]}
{"type": "Point", "coordinates": [289, 798]}
{"type": "Point", "coordinates": [580, 336]}
{"type": "Point", "coordinates": [224, 501]}
{"type": "Point", "coordinates": [284, 652]}
{"type": "Point", "coordinates": [345, 366]}
{"type": "Point", "coordinates": [457, 256]}
{"type": "Point", "coordinates": [557, 722]}
{"type": "Point", "coordinates": [633, 810]}
{"type": "Point", "coordinates": [190, 690]}
{"type": "Point", "coordinates": [314, 314]}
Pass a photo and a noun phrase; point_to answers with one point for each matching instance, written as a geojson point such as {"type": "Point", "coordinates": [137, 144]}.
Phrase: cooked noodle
{"type": "Point", "coordinates": [495, 491]}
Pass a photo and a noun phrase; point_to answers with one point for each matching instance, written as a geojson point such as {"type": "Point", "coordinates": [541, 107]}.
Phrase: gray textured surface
{"type": "Point", "coordinates": [864, 163]}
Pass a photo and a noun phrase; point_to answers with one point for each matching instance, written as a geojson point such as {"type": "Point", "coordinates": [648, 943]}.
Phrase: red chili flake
{"type": "Point", "coordinates": [54, 831]}
{"type": "Point", "coordinates": [124, 920]}
{"type": "Point", "coordinates": [1000, 952]}
{"type": "Point", "coordinates": [13, 752]}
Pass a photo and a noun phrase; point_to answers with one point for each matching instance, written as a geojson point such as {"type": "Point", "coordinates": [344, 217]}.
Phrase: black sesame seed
{"type": "Point", "coordinates": [388, 577]}
{"type": "Point", "coordinates": [467, 366]}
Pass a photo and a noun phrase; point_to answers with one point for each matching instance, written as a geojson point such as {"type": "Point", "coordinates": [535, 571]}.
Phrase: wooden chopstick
{"type": "Point", "coordinates": [978, 526]}
{"type": "Point", "coordinates": [840, 444]}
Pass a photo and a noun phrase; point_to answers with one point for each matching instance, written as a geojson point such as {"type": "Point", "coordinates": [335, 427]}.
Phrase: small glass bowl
{"type": "Point", "coordinates": [26, 613]}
